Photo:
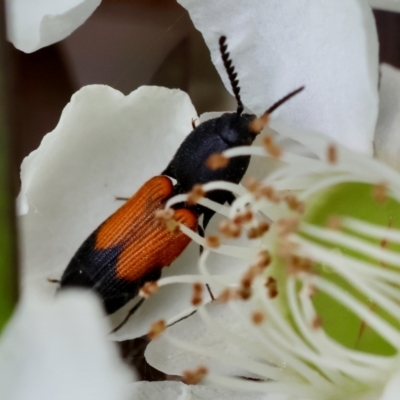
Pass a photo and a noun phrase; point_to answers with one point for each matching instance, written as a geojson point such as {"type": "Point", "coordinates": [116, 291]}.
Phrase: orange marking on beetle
{"type": "Point", "coordinates": [131, 219]}
{"type": "Point", "coordinates": [157, 247]}
{"type": "Point", "coordinates": [146, 243]}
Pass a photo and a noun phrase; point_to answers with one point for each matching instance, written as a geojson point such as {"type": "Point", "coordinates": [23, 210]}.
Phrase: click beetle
{"type": "Point", "coordinates": [131, 247]}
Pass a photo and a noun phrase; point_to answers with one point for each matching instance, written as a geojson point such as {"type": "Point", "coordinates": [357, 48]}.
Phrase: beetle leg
{"type": "Point", "coordinates": [181, 319]}
{"type": "Point", "coordinates": [130, 313]}
{"type": "Point", "coordinates": [230, 198]}
{"type": "Point", "coordinates": [121, 198]}
{"type": "Point", "coordinates": [53, 280]}
{"type": "Point", "coordinates": [201, 233]}
{"type": "Point", "coordinates": [207, 215]}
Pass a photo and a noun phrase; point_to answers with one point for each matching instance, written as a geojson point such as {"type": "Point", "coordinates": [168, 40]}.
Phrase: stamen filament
{"type": "Point", "coordinates": [342, 239]}
{"type": "Point", "coordinates": [244, 253]}
{"type": "Point", "coordinates": [380, 326]}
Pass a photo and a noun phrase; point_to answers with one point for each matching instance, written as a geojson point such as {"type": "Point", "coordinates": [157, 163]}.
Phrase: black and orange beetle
{"type": "Point", "coordinates": [131, 247]}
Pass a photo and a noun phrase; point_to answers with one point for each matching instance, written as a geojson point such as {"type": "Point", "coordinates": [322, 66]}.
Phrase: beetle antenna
{"type": "Point", "coordinates": [257, 125]}
{"type": "Point", "coordinates": [230, 69]}
{"type": "Point", "coordinates": [283, 100]}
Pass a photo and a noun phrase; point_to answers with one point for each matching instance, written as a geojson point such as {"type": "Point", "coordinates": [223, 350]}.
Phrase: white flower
{"type": "Point", "coordinates": [33, 24]}
{"type": "Point", "coordinates": [59, 350]}
{"type": "Point", "coordinates": [322, 320]}
{"type": "Point", "coordinates": [107, 145]}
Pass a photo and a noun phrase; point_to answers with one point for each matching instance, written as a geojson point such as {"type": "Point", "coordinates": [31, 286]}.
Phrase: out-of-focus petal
{"type": "Point", "coordinates": [33, 24]}
{"type": "Point", "coordinates": [389, 5]}
{"type": "Point", "coordinates": [58, 350]}
{"type": "Point", "coordinates": [180, 391]}
{"type": "Point", "coordinates": [105, 145]}
{"type": "Point", "coordinates": [330, 46]}
{"type": "Point", "coordinates": [387, 135]}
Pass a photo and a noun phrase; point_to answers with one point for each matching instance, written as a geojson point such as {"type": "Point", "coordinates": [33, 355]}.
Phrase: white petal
{"type": "Point", "coordinates": [33, 24]}
{"type": "Point", "coordinates": [168, 302]}
{"type": "Point", "coordinates": [392, 389]}
{"type": "Point", "coordinates": [387, 135]}
{"type": "Point", "coordinates": [58, 350]}
{"type": "Point", "coordinates": [330, 46]}
{"type": "Point", "coordinates": [105, 145]}
{"type": "Point", "coordinates": [172, 360]}
{"type": "Point", "coordinates": [180, 391]}
{"type": "Point", "coordinates": [389, 5]}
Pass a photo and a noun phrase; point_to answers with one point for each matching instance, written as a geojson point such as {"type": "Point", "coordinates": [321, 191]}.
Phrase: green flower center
{"type": "Point", "coordinates": [369, 204]}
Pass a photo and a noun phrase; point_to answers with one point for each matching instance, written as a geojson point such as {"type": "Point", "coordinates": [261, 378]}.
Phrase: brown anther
{"type": "Point", "coordinates": [148, 289]}
{"type": "Point", "coordinates": [226, 295]}
{"type": "Point", "coordinates": [334, 223]}
{"type": "Point", "coordinates": [243, 217]}
{"type": "Point", "coordinates": [237, 219]}
{"type": "Point", "coordinates": [217, 161]}
{"type": "Point", "coordinates": [272, 287]}
{"type": "Point", "coordinates": [250, 275]}
{"type": "Point", "coordinates": [229, 229]}
{"type": "Point", "coordinates": [268, 140]}
{"type": "Point", "coordinates": [197, 301]}
{"type": "Point", "coordinates": [193, 377]}
{"type": "Point", "coordinates": [167, 218]}
{"type": "Point", "coordinates": [287, 226]}
{"type": "Point", "coordinates": [258, 124]}
{"type": "Point", "coordinates": [259, 230]}
{"type": "Point", "coordinates": [244, 293]}
{"type": "Point", "coordinates": [293, 203]}
{"type": "Point", "coordinates": [316, 323]}
{"type": "Point", "coordinates": [198, 288]}
{"type": "Point", "coordinates": [247, 216]}
{"type": "Point", "coordinates": [164, 215]}
{"type": "Point", "coordinates": [380, 193]}
{"type": "Point", "coordinates": [300, 265]}
{"type": "Point", "coordinates": [212, 241]}
{"type": "Point", "coordinates": [253, 233]}
{"type": "Point", "coordinates": [246, 281]}
{"type": "Point", "coordinates": [251, 184]}
{"type": "Point", "coordinates": [271, 148]}
{"type": "Point", "coordinates": [197, 298]}
{"type": "Point", "coordinates": [156, 329]}
{"type": "Point", "coordinates": [269, 193]}
{"type": "Point", "coordinates": [331, 154]}
{"type": "Point", "coordinates": [263, 227]}
{"type": "Point", "coordinates": [172, 226]}
{"type": "Point", "coordinates": [312, 290]}
{"type": "Point", "coordinates": [195, 195]}
{"type": "Point", "coordinates": [286, 248]}
{"type": "Point", "coordinates": [258, 317]}
{"type": "Point", "coordinates": [255, 270]}
{"type": "Point", "coordinates": [263, 259]}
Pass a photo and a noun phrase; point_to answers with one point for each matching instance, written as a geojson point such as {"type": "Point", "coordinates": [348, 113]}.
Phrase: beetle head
{"type": "Point", "coordinates": [235, 129]}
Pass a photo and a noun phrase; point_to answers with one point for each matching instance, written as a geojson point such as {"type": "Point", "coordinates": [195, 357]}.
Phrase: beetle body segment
{"type": "Point", "coordinates": [130, 247]}
{"type": "Point", "coordinates": [188, 165]}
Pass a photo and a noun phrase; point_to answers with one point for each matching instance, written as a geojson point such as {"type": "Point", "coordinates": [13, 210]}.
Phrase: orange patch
{"type": "Point", "coordinates": [146, 243]}
{"type": "Point", "coordinates": [156, 248]}
{"type": "Point", "coordinates": [131, 219]}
